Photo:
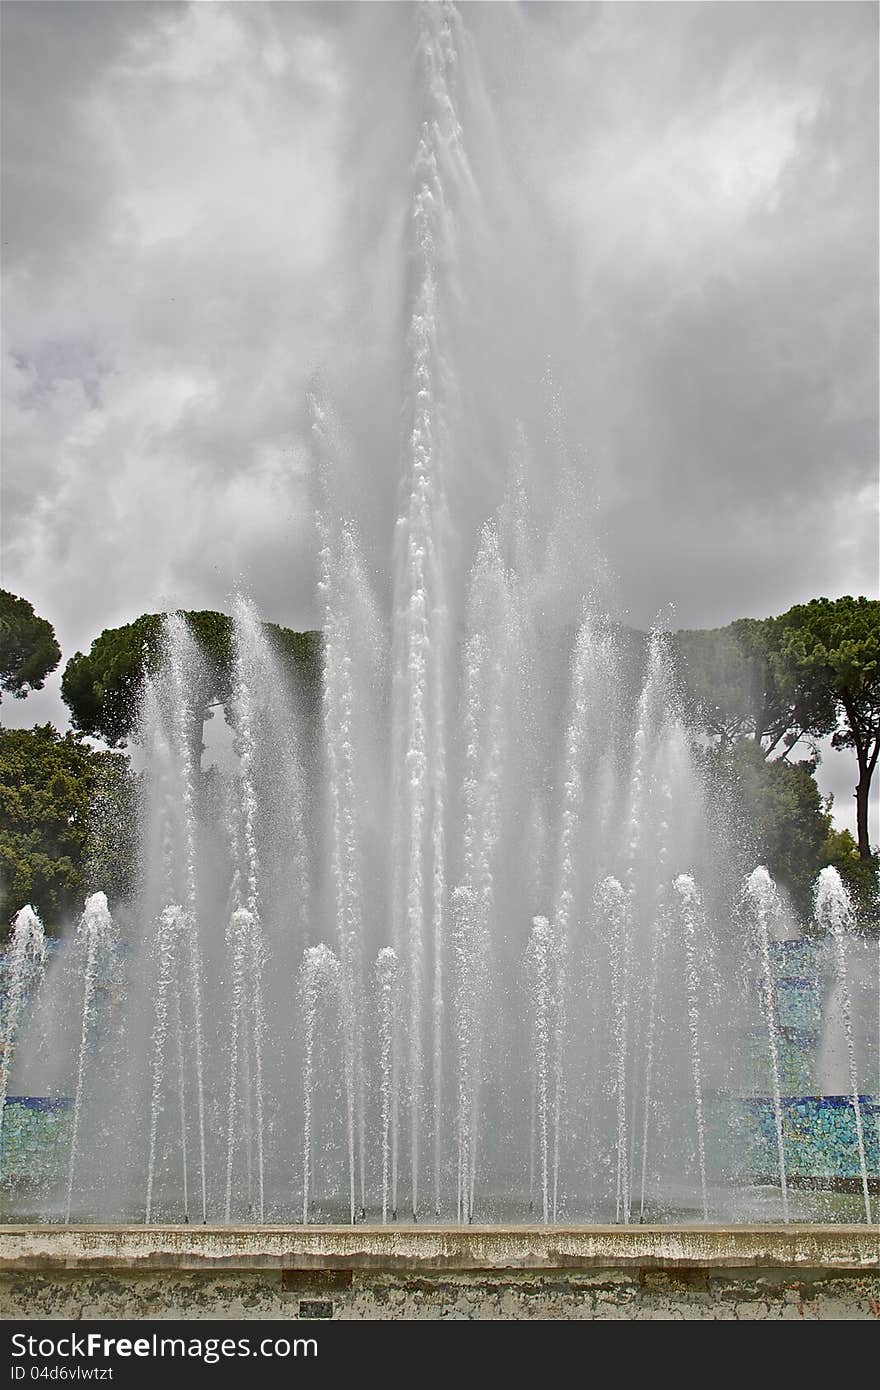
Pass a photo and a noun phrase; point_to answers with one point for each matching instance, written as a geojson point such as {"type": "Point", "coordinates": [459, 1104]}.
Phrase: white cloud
{"type": "Point", "coordinates": [157, 365]}
{"type": "Point", "coordinates": [203, 206]}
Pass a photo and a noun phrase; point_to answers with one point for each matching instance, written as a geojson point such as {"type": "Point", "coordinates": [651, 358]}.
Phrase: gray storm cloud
{"type": "Point", "coordinates": [674, 222]}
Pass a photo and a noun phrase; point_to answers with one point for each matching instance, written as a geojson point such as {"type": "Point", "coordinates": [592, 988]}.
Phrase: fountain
{"type": "Point", "coordinates": [834, 912]}
{"type": "Point", "coordinates": [470, 950]}
{"type": "Point", "coordinates": [760, 892]}
{"type": "Point", "coordinates": [97, 940]}
{"type": "Point", "coordinates": [25, 962]}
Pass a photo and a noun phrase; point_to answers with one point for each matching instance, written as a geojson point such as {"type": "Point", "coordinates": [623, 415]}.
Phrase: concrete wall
{"type": "Point", "coordinates": [791, 1272]}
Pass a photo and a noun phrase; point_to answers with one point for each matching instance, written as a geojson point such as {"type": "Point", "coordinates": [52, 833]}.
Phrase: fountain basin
{"type": "Point", "coordinates": [376, 1272]}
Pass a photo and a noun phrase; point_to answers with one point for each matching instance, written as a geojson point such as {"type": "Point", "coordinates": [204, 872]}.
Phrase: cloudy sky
{"type": "Point", "coordinates": [202, 208]}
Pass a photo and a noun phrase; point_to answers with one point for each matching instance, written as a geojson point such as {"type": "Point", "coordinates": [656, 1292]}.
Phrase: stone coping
{"type": "Point", "coordinates": [437, 1248]}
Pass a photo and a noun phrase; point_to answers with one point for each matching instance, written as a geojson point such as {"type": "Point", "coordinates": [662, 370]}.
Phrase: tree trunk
{"type": "Point", "coordinates": [867, 750]}
{"type": "Point", "coordinates": [862, 789]}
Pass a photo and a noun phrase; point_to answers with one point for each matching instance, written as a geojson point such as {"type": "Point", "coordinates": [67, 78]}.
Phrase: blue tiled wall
{"type": "Point", "coordinates": [34, 1140]}
{"type": "Point", "coordinates": [818, 1134]}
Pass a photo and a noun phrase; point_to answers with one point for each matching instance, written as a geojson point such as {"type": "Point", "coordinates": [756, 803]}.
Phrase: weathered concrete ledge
{"type": "Point", "coordinates": [833, 1248]}
{"type": "Point", "coordinates": [419, 1272]}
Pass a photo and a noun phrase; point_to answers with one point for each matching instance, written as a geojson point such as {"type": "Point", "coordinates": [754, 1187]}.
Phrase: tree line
{"type": "Point", "coordinates": [758, 695]}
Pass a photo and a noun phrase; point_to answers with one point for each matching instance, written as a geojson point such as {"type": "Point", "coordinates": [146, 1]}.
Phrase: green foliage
{"type": "Point", "coordinates": [731, 688]}
{"type": "Point", "coordinates": [52, 851]}
{"type": "Point", "coordinates": [828, 651]}
{"type": "Point", "coordinates": [832, 646]}
{"type": "Point", "coordinates": [780, 805]}
{"type": "Point", "coordinates": [784, 714]}
{"type": "Point", "coordinates": [214, 634]}
{"type": "Point", "coordinates": [812, 672]}
{"type": "Point", "coordinates": [28, 649]}
{"type": "Point", "coordinates": [301, 655]}
{"type": "Point", "coordinates": [101, 688]}
{"type": "Point", "coordinates": [786, 824]}
{"type": "Point", "coordinates": [720, 683]}
{"type": "Point", "coordinates": [860, 876]}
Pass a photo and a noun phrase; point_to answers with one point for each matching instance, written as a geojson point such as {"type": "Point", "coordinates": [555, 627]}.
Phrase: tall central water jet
{"type": "Point", "coordinates": [592, 675]}
{"type": "Point", "coordinates": [354, 661]}
{"type": "Point", "coordinates": [171, 732]}
{"type": "Point", "coordinates": [491, 669]}
{"type": "Point", "coordinates": [251, 676]}
{"type": "Point", "coordinates": [420, 633]}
